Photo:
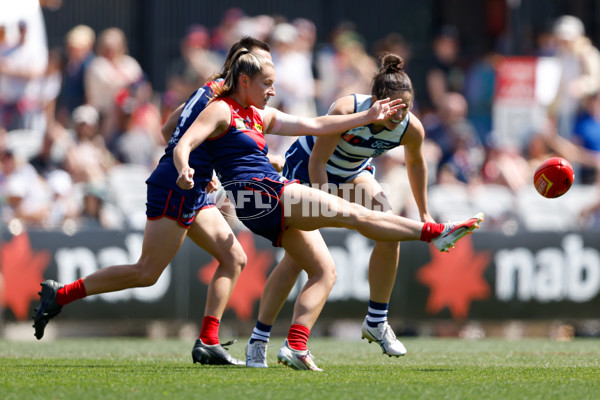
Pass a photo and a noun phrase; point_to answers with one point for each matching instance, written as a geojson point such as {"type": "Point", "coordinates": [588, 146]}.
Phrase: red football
{"type": "Point", "coordinates": [553, 177]}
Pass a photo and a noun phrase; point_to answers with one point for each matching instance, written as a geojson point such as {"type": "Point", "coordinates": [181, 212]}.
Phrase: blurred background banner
{"type": "Point", "coordinates": [488, 276]}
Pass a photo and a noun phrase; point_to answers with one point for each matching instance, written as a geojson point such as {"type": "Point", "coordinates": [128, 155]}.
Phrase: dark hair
{"type": "Point", "coordinates": [242, 62]}
{"type": "Point", "coordinates": [247, 42]}
{"type": "Point", "coordinates": [391, 78]}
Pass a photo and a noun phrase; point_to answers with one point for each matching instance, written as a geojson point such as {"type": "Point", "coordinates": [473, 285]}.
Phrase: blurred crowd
{"type": "Point", "coordinates": [70, 116]}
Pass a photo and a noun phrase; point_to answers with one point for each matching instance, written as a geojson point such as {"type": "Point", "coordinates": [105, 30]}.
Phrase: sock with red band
{"type": "Point", "coordinates": [209, 333]}
{"type": "Point", "coordinates": [70, 292]}
{"type": "Point", "coordinates": [431, 231]}
{"type": "Point", "coordinates": [298, 337]}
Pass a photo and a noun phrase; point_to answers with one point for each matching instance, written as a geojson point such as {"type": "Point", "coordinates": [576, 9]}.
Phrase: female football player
{"type": "Point", "coordinates": [172, 213]}
{"type": "Point", "coordinates": [232, 128]}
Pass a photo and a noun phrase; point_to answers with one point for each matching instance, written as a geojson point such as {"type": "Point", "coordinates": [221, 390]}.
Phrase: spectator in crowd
{"type": "Point", "coordinates": [52, 152]}
{"type": "Point", "coordinates": [506, 167]}
{"type": "Point", "coordinates": [138, 138]}
{"type": "Point", "coordinates": [295, 85]}
{"type": "Point", "coordinates": [79, 48]}
{"type": "Point", "coordinates": [111, 70]}
{"type": "Point", "coordinates": [47, 88]}
{"type": "Point", "coordinates": [480, 83]}
{"type": "Point", "coordinates": [580, 76]}
{"type": "Point", "coordinates": [462, 153]}
{"type": "Point", "coordinates": [88, 159]}
{"type": "Point", "coordinates": [23, 59]}
{"type": "Point", "coordinates": [94, 213]}
{"type": "Point", "coordinates": [196, 64]}
{"type": "Point", "coordinates": [586, 134]}
{"type": "Point", "coordinates": [24, 191]}
{"type": "Point", "coordinates": [444, 73]}
{"type": "Point", "coordinates": [259, 27]}
{"type": "Point", "coordinates": [62, 205]}
{"type": "Point", "coordinates": [227, 32]}
{"type": "Point", "coordinates": [355, 67]}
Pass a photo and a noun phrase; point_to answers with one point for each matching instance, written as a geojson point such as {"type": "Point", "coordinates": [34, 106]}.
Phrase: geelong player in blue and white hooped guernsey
{"type": "Point", "coordinates": [233, 126]}
{"type": "Point", "coordinates": [345, 160]}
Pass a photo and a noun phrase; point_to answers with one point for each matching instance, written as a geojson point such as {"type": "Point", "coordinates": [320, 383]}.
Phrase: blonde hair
{"type": "Point", "coordinates": [243, 62]}
{"type": "Point", "coordinates": [81, 36]}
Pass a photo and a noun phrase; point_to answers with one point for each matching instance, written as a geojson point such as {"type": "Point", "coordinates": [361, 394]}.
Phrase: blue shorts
{"type": "Point", "coordinates": [165, 202]}
{"type": "Point", "coordinates": [258, 206]}
{"type": "Point", "coordinates": [296, 167]}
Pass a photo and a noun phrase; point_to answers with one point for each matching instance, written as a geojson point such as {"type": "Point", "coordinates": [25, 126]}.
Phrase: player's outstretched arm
{"type": "Point", "coordinates": [279, 123]}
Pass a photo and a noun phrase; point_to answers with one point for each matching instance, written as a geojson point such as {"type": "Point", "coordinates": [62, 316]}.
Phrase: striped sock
{"type": "Point", "coordinates": [377, 313]}
{"type": "Point", "coordinates": [209, 333]}
{"type": "Point", "coordinates": [298, 336]}
{"type": "Point", "coordinates": [71, 292]}
{"type": "Point", "coordinates": [261, 332]}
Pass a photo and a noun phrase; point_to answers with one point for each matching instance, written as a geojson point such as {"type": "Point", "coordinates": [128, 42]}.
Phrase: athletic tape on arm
{"type": "Point", "coordinates": [285, 121]}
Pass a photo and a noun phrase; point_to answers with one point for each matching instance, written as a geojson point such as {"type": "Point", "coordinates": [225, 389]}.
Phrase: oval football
{"type": "Point", "coordinates": [553, 177]}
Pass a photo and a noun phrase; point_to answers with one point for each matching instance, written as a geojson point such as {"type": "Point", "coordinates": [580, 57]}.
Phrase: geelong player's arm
{"type": "Point", "coordinates": [416, 165]}
{"type": "Point", "coordinates": [325, 145]}
{"type": "Point", "coordinates": [213, 121]}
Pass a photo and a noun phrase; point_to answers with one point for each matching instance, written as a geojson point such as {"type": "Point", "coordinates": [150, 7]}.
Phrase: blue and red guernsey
{"type": "Point", "coordinates": [240, 153]}
{"type": "Point", "coordinates": [166, 173]}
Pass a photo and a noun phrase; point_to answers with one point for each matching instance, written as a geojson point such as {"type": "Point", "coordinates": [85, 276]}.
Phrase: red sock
{"type": "Point", "coordinates": [298, 336]}
{"type": "Point", "coordinates": [431, 231]}
{"type": "Point", "coordinates": [209, 334]}
{"type": "Point", "coordinates": [70, 292]}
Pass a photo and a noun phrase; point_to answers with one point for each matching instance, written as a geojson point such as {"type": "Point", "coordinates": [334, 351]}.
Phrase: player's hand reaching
{"type": "Point", "coordinates": [383, 109]}
{"type": "Point", "coordinates": [185, 180]}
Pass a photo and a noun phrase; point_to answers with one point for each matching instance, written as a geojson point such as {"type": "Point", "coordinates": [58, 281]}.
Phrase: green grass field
{"type": "Point", "coordinates": [99, 368]}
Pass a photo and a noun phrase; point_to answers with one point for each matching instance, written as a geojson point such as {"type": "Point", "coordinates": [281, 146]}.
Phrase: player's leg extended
{"type": "Point", "coordinates": [162, 239]}
{"type": "Point", "coordinates": [307, 208]}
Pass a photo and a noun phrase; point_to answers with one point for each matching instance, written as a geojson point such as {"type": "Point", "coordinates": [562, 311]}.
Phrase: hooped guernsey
{"type": "Point", "coordinates": [353, 153]}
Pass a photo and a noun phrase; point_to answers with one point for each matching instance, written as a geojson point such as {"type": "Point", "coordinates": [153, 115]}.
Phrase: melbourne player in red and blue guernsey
{"type": "Point", "coordinates": [172, 213]}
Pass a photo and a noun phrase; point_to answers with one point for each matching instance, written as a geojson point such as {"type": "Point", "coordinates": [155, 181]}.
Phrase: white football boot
{"type": "Point", "coordinates": [256, 354]}
{"type": "Point", "coordinates": [301, 360]}
{"type": "Point", "coordinates": [385, 337]}
{"type": "Point", "coordinates": [454, 231]}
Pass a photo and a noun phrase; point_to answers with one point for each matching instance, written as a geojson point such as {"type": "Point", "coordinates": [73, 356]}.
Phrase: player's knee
{"type": "Point", "coordinates": [352, 214]}
{"type": "Point", "coordinates": [330, 276]}
{"type": "Point", "coordinates": [239, 258]}
{"type": "Point", "coordinates": [146, 276]}
{"type": "Point", "coordinates": [233, 260]}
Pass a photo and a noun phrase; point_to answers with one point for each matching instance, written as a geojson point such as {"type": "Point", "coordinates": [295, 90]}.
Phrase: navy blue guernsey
{"type": "Point", "coordinates": [165, 173]}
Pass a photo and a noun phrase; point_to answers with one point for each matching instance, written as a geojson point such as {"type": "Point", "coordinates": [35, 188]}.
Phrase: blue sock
{"type": "Point", "coordinates": [377, 313]}
{"type": "Point", "coordinates": [261, 332]}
